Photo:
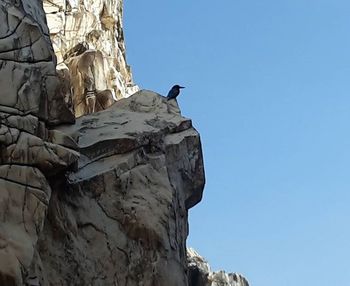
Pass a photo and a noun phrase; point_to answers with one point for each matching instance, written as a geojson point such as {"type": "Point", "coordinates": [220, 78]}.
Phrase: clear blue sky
{"type": "Point", "coordinates": [268, 88]}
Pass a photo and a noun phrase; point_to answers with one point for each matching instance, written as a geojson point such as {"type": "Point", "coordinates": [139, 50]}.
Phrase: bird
{"type": "Point", "coordinates": [174, 92]}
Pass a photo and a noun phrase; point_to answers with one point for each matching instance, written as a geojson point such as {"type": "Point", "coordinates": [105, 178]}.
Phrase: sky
{"type": "Point", "coordinates": [268, 89]}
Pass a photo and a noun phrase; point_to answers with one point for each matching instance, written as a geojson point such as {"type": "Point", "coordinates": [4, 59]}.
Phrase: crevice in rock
{"type": "Point", "coordinates": [21, 47]}
{"type": "Point", "coordinates": [14, 30]}
{"type": "Point", "coordinates": [29, 62]}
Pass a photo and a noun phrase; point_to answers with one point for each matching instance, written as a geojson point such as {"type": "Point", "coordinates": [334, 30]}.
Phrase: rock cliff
{"type": "Point", "coordinates": [30, 153]}
{"type": "Point", "coordinates": [200, 274]}
{"type": "Point", "coordinates": [88, 41]}
{"type": "Point", "coordinates": [101, 202]}
{"type": "Point", "coordinates": [102, 199]}
{"type": "Point", "coordinates": [121, 217]}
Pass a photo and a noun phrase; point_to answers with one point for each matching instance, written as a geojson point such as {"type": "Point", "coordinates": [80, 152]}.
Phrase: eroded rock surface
{"type": "Point", "coordinates": [121, 218]}
{"type": "Point", "coordinates": [200, 274]}
{"type": "Point", "coordinates": [104, 201]}
{"type": "Point", "coordinates": [89, 44]}
{"type": "Point", "coordinates": [28, 157]}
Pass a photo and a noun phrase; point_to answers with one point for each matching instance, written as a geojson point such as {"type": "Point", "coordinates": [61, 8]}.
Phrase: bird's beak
{"type": "Point", "coordinates": [181, 87]}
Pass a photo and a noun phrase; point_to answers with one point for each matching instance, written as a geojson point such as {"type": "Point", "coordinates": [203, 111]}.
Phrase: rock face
{"type": "Point", "coordinates": [104, 199]}
{"type": "Point", "coordinates": [89, 44]}
{"type": "Point", "coordinates": [121, 218]}
{"type": "Point", "coordinates": [101, 202]}
{"type": "Point", "coordinates": [30, 154]}
{"type": "Point", "coordinates": [199, 273]}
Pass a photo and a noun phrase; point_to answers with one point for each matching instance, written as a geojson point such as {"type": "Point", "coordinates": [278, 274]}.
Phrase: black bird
{"type": "Point", "coordinates": [174, 92]}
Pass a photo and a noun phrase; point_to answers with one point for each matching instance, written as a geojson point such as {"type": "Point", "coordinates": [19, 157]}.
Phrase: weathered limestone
{"type": "Point", "coordinates": [28, 105]}
{"type": "Point", "coordinates": [121, 219]}
{"type": "Point", "coordinates": [24, 198]}
{"type": "Point", "coordinates": [199, 273]}
{"type": "Point", "coordinates": [27, 64]}
{"type": "Point", "coordinates": [88, 41]}
{"type": "Point", "coordinates": [104, 201]}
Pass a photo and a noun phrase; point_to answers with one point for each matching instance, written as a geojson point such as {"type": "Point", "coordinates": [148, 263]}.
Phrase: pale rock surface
{"type": "Point", "coordinates": [27, 64]}
{"type": "Point", "coordinates": [200, 274]}
{"type": "Point", "coordinates": [121, 217]}
{"type": "Point", "coordinates": [89, 44]}
{"type": "Point", "coordinates": [28, 105]}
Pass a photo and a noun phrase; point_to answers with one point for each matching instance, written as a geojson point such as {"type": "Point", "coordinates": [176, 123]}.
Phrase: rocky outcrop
{"type": "Point", "coordinates": [121, 218]}
{"type": "Point", "coordinates": [200, 274]}
{"type": "Point", "coordinates": [100, 202]}
{"type": "Point", "coordinates": [103, 201]}
{"type": "Point", "coordinates": [89, 44]}
{"type": "Point", "coordinates": [30, 152]}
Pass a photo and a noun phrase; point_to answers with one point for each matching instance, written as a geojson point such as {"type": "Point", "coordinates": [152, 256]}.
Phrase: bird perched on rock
{"type": "Point", "coordinates": [174, 92]}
